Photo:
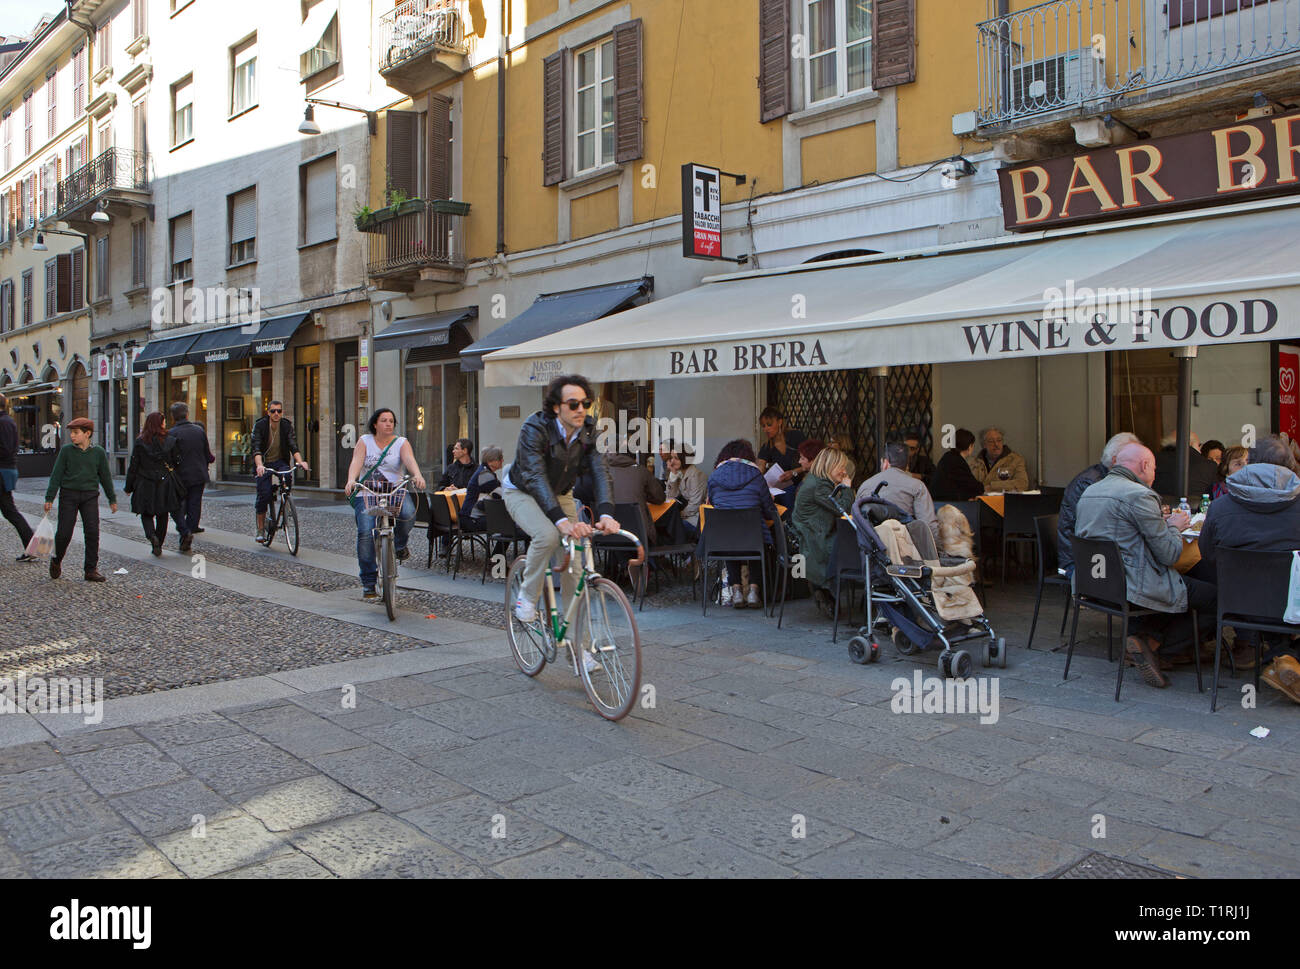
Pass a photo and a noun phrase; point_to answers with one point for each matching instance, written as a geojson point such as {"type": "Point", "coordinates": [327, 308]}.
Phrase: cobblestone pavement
{"type": "Point", "coordinates": [755, 752]}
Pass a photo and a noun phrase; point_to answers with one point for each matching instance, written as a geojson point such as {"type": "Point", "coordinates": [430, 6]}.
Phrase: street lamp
{"type": "Point", "coordinates": [308, 126]}
{"type": "Point", "coordinates": [101, 215]}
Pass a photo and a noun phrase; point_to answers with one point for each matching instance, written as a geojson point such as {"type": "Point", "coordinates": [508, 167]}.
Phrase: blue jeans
{"type": "Point", "coordinates": [264, 486]}
{"type": "Point", "coordinates": [366, 538]}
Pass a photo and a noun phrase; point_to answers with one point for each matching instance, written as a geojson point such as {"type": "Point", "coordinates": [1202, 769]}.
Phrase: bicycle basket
{"type": "Point", "coordinates": [383, 499]}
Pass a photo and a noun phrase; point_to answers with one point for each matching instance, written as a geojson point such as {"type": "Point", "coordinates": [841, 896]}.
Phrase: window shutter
{"type": "Point", "coordinates": [51, 303]}
{"type": "Point", "coordinates": [63, 283]}
{"type": "Point", "coordinates": [140, 137]}
{"type": "Point", "coordinates": [439, 147]}
{"type": "Point", "coordinates": [628, 101]}
{"type": "Point", "coordinates": [78, 280]}
{"type": "Point", "coordinates": [403, 142]}
{"type": "Point", "coordinates": [243, 215]}
{"type": "Point", "coordinates": [555, 86]}
{"type": "Point", "coordinates": [137, 254]}
{"type": "Point", "coordinates": [893, 43]}
{"type": "Point", "coordinates": [773, 59]}
{"type": "Point", "coordinates": [183, 238]}
{"type": "Point", "coordinates": [101, 266]}
{"type": "Point", "coordinates": [320, 220]}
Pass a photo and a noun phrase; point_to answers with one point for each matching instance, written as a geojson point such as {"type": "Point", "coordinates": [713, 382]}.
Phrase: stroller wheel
{"type": "Point", "coordinates": [990, 654]}
{"type": "Point", "coordinates": [961, 664]}
{"type": "Point", "coordinates": [1002, 652]}
{"type": "Point", "coordinates": [904, 645]}
{"type": "Point", "coordinates": [860, 649]}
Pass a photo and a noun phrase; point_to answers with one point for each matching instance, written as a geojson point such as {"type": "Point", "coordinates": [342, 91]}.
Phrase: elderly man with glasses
{"type": "Point", "coordinates": [998, 467]}
{"type": "Point", "coordinates": [556, 445]}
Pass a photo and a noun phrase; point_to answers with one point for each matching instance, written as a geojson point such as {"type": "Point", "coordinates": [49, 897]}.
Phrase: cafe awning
{"type": "Point", "coordinates": [274, 334]}
{"type": "Point", "coordinates": [1195, 278]}
{"type": "Point", "coordinates": [161, 354]}
{"type": "Point", "coordinates": [556, 313]}
{"type": "Point", "coordinates": [215, 346]}
{"type": "Point", "coordinates": [432, 330]}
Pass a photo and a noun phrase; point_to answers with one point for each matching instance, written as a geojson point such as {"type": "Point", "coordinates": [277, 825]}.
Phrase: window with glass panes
{"type": "Point", "coordinates": [182, 247]}
{"type": "Point", "coordinates": [839, 48]}
{"type": "Point", "coordinates": [243, 226]}
{"type": "Point", "coordinates": [243, 75]}
{"type": "Point", "coordinates": [594, 105]}
{"type": "Point", "coordinates": [182, 111]}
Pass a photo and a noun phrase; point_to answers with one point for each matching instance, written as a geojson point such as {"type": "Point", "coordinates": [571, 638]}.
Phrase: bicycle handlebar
{"type": "Point", "coordinates": [622, 533]}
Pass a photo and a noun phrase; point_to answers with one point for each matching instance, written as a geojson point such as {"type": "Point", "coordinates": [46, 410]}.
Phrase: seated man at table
{"type": "Point", "coordinates": [483, 484]}
{"type": "Point", "coordinates": [896, 486]}
{"type": "Point", "coordinates": [1075, 489]}
{"type": "Point", "coordinates": [1201, 472]}
{"type": "Point", "coordinates": [952, 479]}
{"type": "Point", "coordinates": [1260, 510]}
{"type": "Point", "coordinates": [634, 484]}
{"type": "Point", "coordinates": [919, 465]}
{"type": "Point", "coordinates": [456, 475]}
{"type": "Point", "coordinates": [999, 467]}
{"type": "Point", "coordinates": [1123, 508]}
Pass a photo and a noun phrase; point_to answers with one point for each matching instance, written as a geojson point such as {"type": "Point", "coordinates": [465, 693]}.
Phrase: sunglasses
{"type": "Point", "coordinates": [575, 404]}
{"type": "Point", "coordinates": [275, 410]}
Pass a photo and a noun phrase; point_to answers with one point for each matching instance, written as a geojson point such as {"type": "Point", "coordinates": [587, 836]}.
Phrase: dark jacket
{"type": "Point", "coordinates": [633, 482]}
{"type": "Point", "coordinates": [545, 466]}
{"type": "Point", "coordinates": [1260, 511]}
{"type": "Point", "coordinates": [1069, 508]}
{"type": "Point", "coordinates": [483, 483]}
{"type": "Point", "coordinates": [952, 479]}
{"type": "Point", "coordinates": [739, 484]}
{"type": "Point", "coordinates": [8, 442]}
{"type": "Point", "coordinates": [78, 470]}
{"type": "Point", "coordinates": [457, 475]}
{"type": "Point", "coordinates": [194, 453]}
{"type": "Point", "coordinates": [148, 481]}
{"type": "Point", "coordinates": [817, 524]}
{"type": "Point", "coordinates": [1202, 473]}
{"type": "Point", "coordinates": [288, 443]}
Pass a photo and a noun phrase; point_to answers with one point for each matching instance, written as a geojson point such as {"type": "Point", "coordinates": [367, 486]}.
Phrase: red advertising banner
{"type": "Point", "coordinates": [1288, 391]}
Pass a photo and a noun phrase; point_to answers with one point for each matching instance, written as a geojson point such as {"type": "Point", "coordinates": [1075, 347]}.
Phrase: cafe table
{"type": "Point", "coordinates": [455, 497]}
{"type": "Point", "coordinates": [780, 510]}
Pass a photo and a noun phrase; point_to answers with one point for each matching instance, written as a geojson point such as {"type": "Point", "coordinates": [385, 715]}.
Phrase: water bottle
{"type": "Point", "coordinates": [1205, 504]}
{"type": "Point", "coordinates": [1185, 508]}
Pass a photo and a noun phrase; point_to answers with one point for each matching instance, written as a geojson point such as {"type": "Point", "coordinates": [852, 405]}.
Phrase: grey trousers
{"type": "Point", "coordinates": [544, 541]}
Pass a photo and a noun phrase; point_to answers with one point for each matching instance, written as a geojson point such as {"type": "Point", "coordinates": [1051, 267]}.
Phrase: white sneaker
{"type": "Point", "coordinates": [589, 663]}
{"type": "Point", "coordinates": [525, 611]}
{"type": "Point", "coordinates": [725, 599]}
{"type": "Point", "coordinates": [752, 600]}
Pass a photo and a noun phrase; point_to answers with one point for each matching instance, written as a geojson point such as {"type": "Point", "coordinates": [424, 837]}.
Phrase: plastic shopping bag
{"type": "Point", "coordinates": [1292, 613]}
{"type": "Point", "coordinates": [42, 543]}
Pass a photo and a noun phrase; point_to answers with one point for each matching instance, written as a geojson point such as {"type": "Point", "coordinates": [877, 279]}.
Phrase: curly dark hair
{"type": "Point", "coordinates": [374, 418]}
{"type": "Point", "coordinates": [739, 448]}
{"type": "Point", "coordinates": [553, 400]}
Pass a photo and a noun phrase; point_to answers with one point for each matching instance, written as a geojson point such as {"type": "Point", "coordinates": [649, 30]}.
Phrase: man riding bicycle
{"type": "Point", "coordinates": [556, 445]}
{"type": "Point", "coordinates": [273, 445]}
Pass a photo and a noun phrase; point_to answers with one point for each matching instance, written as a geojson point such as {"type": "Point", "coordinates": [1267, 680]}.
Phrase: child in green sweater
{"type": "Point", "coordinates": [78, 473]}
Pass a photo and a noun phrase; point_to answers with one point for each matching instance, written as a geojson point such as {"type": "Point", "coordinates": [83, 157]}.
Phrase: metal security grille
{"type": "Point", "coordinates": [827, 403]}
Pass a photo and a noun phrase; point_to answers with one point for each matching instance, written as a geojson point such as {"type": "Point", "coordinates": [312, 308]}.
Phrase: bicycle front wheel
{"type": "Point", "coordinates": [272, 520]}
{"type": "Point", "coordinates": [388, 563]}
{"type": "Point", "coordinates": [527, 640]}
{"type": "Point", "coordinates": [290, 526]}
{"type": "Point", "coordinates": [607, 633]}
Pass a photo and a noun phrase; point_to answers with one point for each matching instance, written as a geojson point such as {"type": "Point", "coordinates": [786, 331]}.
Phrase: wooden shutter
{"type": "Point", "coordinates": [628, 99]}
{"type": "Point", "coordinates": [78, 280]}
{"type": "Point", "coordinates": [893, 43]}
{"type": "Point", "coordinates": [101, 266]}
{"type": "Point", "coordinates": [555, 87]}
{"type": "Point", "coordinates": [140, 136]}
{"type": "Point", "coordinates": [63, 283]}
{"type": "Point", "coordinates": [403, 143]}
{"type": "Point", "coordinates": [51, 287]}
{"type": "Point", "coordinates": [138, 275]}
{"type": "Point", "coordinates": [773, 59]}
{"type": "Point", "coordinates": [439, 147]}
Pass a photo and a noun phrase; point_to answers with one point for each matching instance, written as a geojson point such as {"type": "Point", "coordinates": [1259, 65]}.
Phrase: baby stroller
{"type": "Point", "coordinates": [924, 599]}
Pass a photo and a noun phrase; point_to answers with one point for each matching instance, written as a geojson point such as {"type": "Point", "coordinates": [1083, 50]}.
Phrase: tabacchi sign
{"type": "Point", "coordinates": [701, 212]}
{"type": "Point", "coordinates": [1238, 161]}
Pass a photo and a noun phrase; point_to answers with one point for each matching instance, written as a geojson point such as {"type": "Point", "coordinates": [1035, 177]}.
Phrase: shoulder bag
{"type": "Point", "coordinates": [365, 475]}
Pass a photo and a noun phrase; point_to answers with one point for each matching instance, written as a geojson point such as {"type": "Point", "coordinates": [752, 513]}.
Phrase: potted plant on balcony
{"type": "Point", "coordinates": [364, 217]}
{"type": "Point", "coordinates": [400, 204]}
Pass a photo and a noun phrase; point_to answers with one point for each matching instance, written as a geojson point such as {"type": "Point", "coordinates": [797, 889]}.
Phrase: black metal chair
{"type": "Point", "coordinates": [781, 562]}
{"type": "Point", "coordinates": [1018, 514]}
{"type": "Point", "coordinates": [1108, 594]}
{"type": "Point", "coordinates": [1253, 590]}
{"type": "Point", "coordinates": [731, 534]}
{"type": "Point", "coordinates": [845, 566]}
{"type": "Point", "coordinates": [1045, 532]}
{"type": "Point", "coordinates": [460, 536]}
{"type": "Point", "coordinates": [634, 518]}
{"type": "Point", "coordinates": [440, 526]}
{"type": "Point", "coordinates": [500, 529]}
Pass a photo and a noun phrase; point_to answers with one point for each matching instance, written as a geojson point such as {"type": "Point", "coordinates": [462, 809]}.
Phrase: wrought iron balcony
{"type": "Point", "coordinates": [1091, 55]}
{"type": "Point", "coordinates": [418, 240]}
{"type": "Point", "coordinates": [422, 43]}
{"type": "Point", "coordinates": [118, 172]}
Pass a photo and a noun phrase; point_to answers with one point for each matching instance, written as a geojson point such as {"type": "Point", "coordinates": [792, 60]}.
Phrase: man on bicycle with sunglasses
{"type": "Point", "coordinates": [556, 445]}
{"type": "Point", "coordinates": [273, 445]}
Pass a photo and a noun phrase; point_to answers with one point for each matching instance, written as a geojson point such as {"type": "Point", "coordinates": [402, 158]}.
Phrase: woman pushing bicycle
{"type": "Point", "coordinates": [381, 453]}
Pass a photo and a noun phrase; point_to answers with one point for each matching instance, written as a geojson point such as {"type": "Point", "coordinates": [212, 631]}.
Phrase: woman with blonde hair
{"type": "Point", "coordinates": [830, 480]}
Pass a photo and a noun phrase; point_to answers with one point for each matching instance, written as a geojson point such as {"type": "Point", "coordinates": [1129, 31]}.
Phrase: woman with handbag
{"type": "Point", "coordinates": [383, 454]}
{"type": "Point", "coordinates": [151, 480]}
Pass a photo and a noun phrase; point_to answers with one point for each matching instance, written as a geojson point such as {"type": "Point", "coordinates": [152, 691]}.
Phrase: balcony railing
{"type": "Point", "coordinates": [416, 27]}
{"type": "Point", "coordinates": [426, 235]}
{"type": "Point", "coordinates": [113, 169]}
{"type": "Point", "coordinates": [1071, 53]}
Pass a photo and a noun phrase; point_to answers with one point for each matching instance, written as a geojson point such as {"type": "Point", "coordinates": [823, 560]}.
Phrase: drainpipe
{"type": "Point", "coordinates": [1185, 357]}
{"type": "Point", "coordinates": [501, 132]}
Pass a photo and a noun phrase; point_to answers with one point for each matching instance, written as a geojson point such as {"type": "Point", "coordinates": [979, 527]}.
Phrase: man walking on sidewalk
{"type": "Point", "coordinates": [79, 471]}
{"type": "Point", "coordinates": [9, 478]}
{"type": "Point", "coordinates": [195, 456]}
{"type": "Point", "coordinates": [273, 446]}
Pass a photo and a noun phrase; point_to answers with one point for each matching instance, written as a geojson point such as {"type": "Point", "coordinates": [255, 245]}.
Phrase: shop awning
{"type": "Point", "coordinates": [554, 313]}
{"type": "Point", "coordinates": [161, 354]}
{"type": "Point", "coordinates": [216, 346]}
{"type": "Point", "coordinates": [1196, 278]}
{"type": "Point", "coordinates": [433, 330]}
{"type": "Point", "coordinates": [275, 333]}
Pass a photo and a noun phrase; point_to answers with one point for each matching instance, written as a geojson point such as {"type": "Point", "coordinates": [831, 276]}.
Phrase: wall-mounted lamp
{"type": "Point", "coordinates": [101, 215]}
{"type": "Point", "coordinates": [955, 169]}
{"type": "Point", "coordinates": [308, 126]}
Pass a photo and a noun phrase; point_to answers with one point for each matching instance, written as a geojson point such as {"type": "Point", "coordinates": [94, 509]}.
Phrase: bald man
{"type": "Point", "coordinates": [1123, 508]}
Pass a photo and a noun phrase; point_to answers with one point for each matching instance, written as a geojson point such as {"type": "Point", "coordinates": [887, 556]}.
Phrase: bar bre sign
{"type": "Point", "coordinates": [1238, 161]}
{"type": "Point", "coordinates": [701, 212]}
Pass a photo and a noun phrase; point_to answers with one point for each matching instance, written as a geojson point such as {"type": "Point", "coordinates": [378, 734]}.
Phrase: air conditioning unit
{"type": "Point", "coordinates": [1057, 81]}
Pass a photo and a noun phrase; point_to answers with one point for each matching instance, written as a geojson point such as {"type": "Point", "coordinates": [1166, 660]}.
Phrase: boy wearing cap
{"type": "Point", "coordinates": [78, 473]}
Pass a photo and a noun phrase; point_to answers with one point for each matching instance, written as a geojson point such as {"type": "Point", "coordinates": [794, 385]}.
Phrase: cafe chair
{"type": "Point", "coordinates": [1109, 595]}
{"type": "Point", "coordinates": [441, 526]}
{"type": "Point", "coordinates": [845, 566]}
{"type": "Point", "coordinates": [731, 534]}
{"type": "Point", "coordinates": [1046, 535]}
{"type": "Point", "coordinates": [782, 564]}
{"type": "Point", "coordinates": [1253, 590]}
{"type": "Point", "coordinates": [500, 529]}
{"type": "Point", "coordinates": [1019, 512]}
{"type": "Point", "coordinates": [459, 537]}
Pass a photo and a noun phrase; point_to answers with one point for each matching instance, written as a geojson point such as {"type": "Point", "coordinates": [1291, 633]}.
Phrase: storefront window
{"type": "Point", "coordinates": [123, 440]}
{"type": "Point", "coordinates": [423, 425]}
{"type": "Point", "coordinates": [186, 385]}
{"type": "Point", "coordinates": [306, 405]}
{"type": "Point", "coordinates": [246, 390]}
{"type": "Point", "coordinates": [40, 421]}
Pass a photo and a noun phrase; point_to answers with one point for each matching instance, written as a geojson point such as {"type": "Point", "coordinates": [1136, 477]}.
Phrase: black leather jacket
{"type": "Point", "coordinates": [288, 443]}
{"type": "Point", "coordinates": [544, 466]}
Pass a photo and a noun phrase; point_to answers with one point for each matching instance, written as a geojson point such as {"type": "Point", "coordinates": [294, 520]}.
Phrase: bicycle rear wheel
{"type": "Point", "coordinates": [607, 628]}
{"type": "Point", "coordinates": [527, 640]}
{"type": "Point", "coordinates": [290, 525]}
{"type": "Point", "coordinates": [388, 563]}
